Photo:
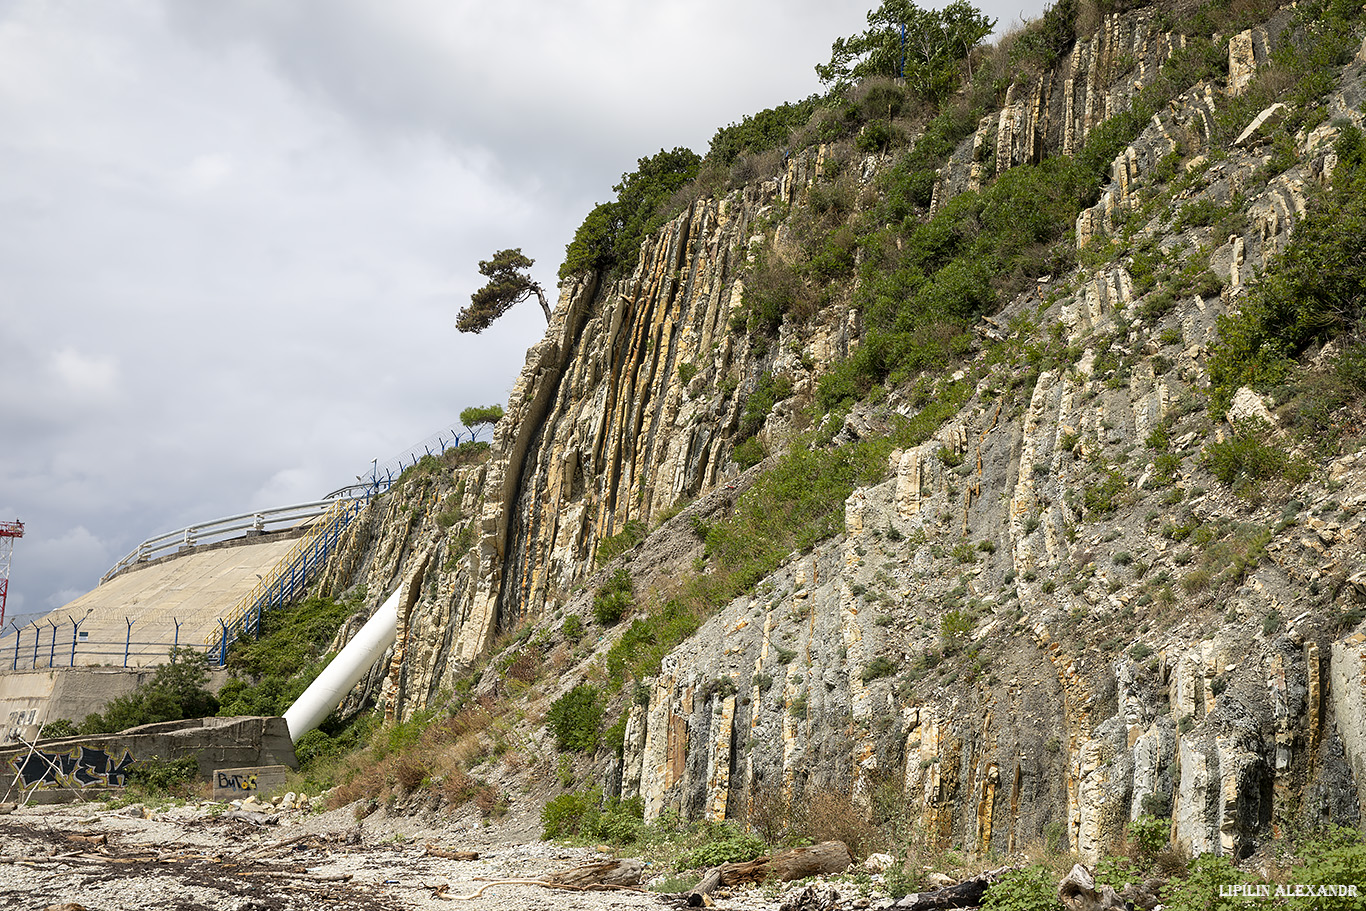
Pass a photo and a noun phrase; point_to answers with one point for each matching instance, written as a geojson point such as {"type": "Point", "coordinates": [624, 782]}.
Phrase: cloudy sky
{"type": "Point", "coordinates": [234, 234]}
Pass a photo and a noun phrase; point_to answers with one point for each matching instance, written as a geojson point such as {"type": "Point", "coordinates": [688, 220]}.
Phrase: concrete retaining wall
{"type": "Point", "coordinates": [56, 769]}
{"type": "Point", "coordinates": [30, 698]}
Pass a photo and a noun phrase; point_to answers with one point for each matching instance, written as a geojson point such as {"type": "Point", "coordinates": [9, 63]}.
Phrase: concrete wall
{"type": "Point", "coordinates": [56, 769]}
{"type": "Point", "coordinates": [36, 697]}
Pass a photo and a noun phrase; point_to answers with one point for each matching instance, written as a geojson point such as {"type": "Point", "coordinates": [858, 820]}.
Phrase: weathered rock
{"type": "Point", "coordinates": [1078, 892]}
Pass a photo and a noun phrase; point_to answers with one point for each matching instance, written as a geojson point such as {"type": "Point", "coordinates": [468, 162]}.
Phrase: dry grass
{"type": "Point", "coordinates": [428, 756]}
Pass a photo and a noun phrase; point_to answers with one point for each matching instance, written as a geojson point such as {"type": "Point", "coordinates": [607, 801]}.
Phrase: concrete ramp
{"type": "Point", "coordinates": [131, 620]}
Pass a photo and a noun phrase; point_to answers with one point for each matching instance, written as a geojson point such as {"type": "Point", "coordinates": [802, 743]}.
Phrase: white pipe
{"type": "Point", "coordinates": [331, 686]}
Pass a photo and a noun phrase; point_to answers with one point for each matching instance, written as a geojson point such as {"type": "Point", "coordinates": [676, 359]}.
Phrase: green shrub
{"type": "Point", "coordinates": [613, 546]}
{"type": "Point", "coordinates": [1248, 457]}
{"type": "Point", "coordinates": [576, 719]}
{"type": "Point", "coordinates": [725, 845]}
{"type": "Point", "coordinates": [1199, 889]}
{"type": "Point", "coordinates": [563, 816]}
{"type": "Point", "coordinates": [749, 453]}
{"type": "Point", "coordinates": [881, 666]}
{"type": "Point", "coordinates": [177, 690]}
{"type": "Point", "coordinates": [164, 776]}
{"type": "Point", "coordinates": [1334, 857]}
{"type": "Point", "coordinates": [613, 599]}
{"type": "Point", "coordinates": [572, 628]}
{"type": "Point", "coordinates": [1105, 495]}
{"type": "Point", "coordinates": [610, 237]}
{"type": "Point", "coordinates": [1031, 888]}
{"type": "Point", "coordinates": [1150, 834]}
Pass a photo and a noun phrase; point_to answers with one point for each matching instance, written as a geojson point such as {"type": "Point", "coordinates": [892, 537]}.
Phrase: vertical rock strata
{"type": "Point", "coordinates": [1014, 651]}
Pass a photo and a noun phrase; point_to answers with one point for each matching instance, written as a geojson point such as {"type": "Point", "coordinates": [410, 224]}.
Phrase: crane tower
{"type": "Point", "coordinates": [8, 532]}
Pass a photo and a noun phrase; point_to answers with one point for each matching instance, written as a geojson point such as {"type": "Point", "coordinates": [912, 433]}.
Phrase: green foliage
{"type": "Point", "coordinates": [572, 628]}
{"type": "Point", "coordinates": [761, 132]}
{"type": "Point", "coordinates": [725, 845]}
{"type": "Point", "coordinates": [749, 453]}
{"type": "Point", "coordinates": [164, 776]}
{"type": "Point", "coordinates": [613, 599]}
{"type": "Point", "coordinates": [508, 284]}
{"type": "Point", "coordinates": [954, 628]}
{"type": "Point", "coordinates": [935, 45]}
{"type": "Point", "coordinates": [1199, 889]}
{"type": "Point", "coordinates": [1030, 888]}
{"type": "Point", "coordinates": [576, 719]}
{"type": "Point", "coordinates": [586, 815]}
{"type": "Point", "coordinates": [1248, 457]}
{"type": "Point", "coordinates": [773, 289]}
{"type": "Point", "coordinates": [177, 690]}
{"type": "Point", "coordinates": [1315, 290]}
{"type": "Point", "coordinates": [1106, 495]}
{"type": "Point", "coordinates": [475, 417]}
{"type": "Point", "coordinates": [269, 673]}
{"type": "Point", "coordinates": [610, 237]}
{"type": "Point", "coordinates": [881, 666]}
{"type": "Point", "coordinates": [613, 546]}
{"type": "Point", "coordinates": [1150, 834]}
{"type": "Point", "coordinates": [1334, 857]}
{"type": "Point", "coordinates": [769, 391]}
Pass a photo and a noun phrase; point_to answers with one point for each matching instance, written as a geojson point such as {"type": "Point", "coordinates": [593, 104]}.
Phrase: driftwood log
{"type": "Point", "coordinates": [625, 872]}
{"type": "Point", "coordinates": [599, 875]}
{"type": "Point", "coordinates": [798, 863]}
{"type": "Point", "coordinates": [967, 894]}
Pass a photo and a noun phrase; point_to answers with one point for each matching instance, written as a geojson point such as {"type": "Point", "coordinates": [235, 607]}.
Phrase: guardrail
{"type": "Point", "coordinates": [380, 479]}
{"type": "Point", "coordinates": [221, 530]}
{"type": "Point", "coordinates": [289, 579]}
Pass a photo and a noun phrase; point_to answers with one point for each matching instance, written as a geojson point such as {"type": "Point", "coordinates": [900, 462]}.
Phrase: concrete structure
{"type": "Point", "coordinates": [195, 589]}
{"type": "Point", "coordinates": [32, 698]}
{"type": "Point", "coordinates": [54, 770]}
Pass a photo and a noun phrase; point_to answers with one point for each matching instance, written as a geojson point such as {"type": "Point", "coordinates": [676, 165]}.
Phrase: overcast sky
{"type": "Point", "coordinates": [234, 234]}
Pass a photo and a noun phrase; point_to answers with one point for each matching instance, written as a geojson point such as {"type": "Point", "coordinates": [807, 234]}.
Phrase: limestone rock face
{"type": "Point", "coordinates": [1045, 622]}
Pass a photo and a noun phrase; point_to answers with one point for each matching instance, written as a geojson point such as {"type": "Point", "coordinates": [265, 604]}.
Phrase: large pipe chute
{"type": "Point", "coordinates": [344, 671]}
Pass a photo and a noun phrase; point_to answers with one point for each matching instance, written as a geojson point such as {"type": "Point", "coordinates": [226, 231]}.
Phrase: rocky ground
{"type": "Point", "coordinates": [216, 857]}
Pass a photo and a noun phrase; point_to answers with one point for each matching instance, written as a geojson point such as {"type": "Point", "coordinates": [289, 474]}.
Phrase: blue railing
{"type": "Point", "coordinates": [44, 643]}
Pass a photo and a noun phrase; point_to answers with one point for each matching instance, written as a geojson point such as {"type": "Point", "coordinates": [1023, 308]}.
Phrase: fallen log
{"type": "Point", "coordinates": [797, 863]}
{"type": "Point", "coordinates": [600, 873]}
{"type": "Point", "coordinates": [967, 894]}
{"type": "Point", "coordinates": [434, 851]}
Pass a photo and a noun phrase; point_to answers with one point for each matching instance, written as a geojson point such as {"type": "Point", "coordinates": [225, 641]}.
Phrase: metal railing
{"type": "Point", "coordinates": [288, 581]}
{"type": "Point", "coordinates": [47, 644]}
{"type": "Point", "coordinates": [220, 530]}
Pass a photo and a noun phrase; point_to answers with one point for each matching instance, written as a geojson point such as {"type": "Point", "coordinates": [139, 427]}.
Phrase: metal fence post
{"type": "Point", "coordinates": [223, 650]}
{"type": "Point", "coordinates": [176, 644]}
{"type": "Point", "coordinates": [52, 647]}
{"type": "Point", "coordinates": [127, 640]}
{"type": "Point", "coordinates": [75, 628]}
{"type": "Point", "coordinates": [35, 645]}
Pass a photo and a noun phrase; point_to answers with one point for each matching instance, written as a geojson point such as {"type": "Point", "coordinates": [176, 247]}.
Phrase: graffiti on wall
{"type": "Point", "coordinates": [81, 767]}
{"type": "Point", "coordinates": [233, 780]}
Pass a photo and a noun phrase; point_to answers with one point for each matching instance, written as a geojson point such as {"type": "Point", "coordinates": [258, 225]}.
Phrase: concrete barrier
{"type": "Point", "coordinates": [56, 770]}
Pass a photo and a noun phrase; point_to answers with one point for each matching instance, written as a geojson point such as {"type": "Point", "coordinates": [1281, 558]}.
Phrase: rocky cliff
{"type": "Point", "coordinates": [1050, 618]}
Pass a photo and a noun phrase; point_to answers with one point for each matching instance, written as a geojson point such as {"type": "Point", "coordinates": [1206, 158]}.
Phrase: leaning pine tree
{"type": "Point", "coordinates": [508, 284]}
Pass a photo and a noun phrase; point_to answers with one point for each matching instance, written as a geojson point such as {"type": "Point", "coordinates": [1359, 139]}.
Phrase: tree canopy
{"type": "Point", "coordinates": [475, 416]}
{"type": "Point", "coordinates": [611, 234]}
{"type": "Point", "coordinates": [935, 43]}
{"type": "Point", "coordinates": [508, 284]}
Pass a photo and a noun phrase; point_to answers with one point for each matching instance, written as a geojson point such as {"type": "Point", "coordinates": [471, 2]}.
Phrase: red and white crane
{"type": "Point", "coordinates": [8, 532]}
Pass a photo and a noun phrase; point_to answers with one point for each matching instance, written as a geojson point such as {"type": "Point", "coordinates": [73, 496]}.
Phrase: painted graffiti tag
{"type": "Point", "coordinates": [235, 781]}
{"type": "Point", "coordinates": [81, 768]}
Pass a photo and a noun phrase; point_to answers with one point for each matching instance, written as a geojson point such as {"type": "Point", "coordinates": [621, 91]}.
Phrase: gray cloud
{"type": "Point", "coordinates": [235, 234]}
